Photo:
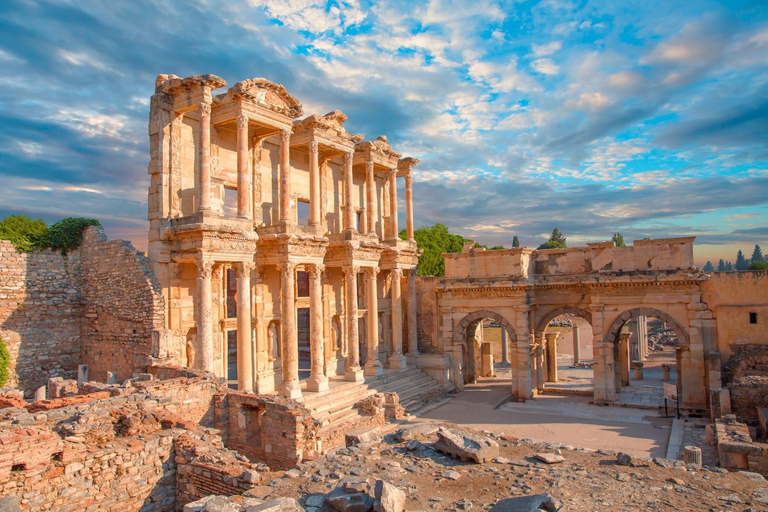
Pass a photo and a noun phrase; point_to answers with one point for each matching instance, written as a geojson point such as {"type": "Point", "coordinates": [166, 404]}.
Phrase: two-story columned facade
{"type": "Point", "coordinates": [275, 238]}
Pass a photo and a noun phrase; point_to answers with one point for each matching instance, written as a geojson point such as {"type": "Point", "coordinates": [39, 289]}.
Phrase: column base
{"type": "Point", "coordinates": [318, 384]}
{"type": "Point", "coordinates": [264, 384]}
{"type": "Point", "coordinates": [397, 362]}
{"type": "Point", "coordinates": [373, 369]}
{"type": "Point", "coordinates": [290, 389]}
{"type": "Point", "coordinates": [410, 358]}
{"type": "Point", "coordinates": [353, 374]}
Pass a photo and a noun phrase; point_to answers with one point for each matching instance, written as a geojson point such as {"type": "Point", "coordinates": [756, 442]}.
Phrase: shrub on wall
{"type": "Point", "coordinates": [5, 363]}
{"type": "Point", "coordinates": [66, 235]}
{"type": "Point", "coordinates": [22, 231]}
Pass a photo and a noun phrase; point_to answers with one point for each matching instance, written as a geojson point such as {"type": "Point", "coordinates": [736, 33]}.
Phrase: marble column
{"type": "Point", "coordinates": [244, 194]}
{"type": "Point", "coordinates": [413, 341]}
{"type": "Point", "coordinates": [623, 361]}
{"type": "Point", "coordinates": [286, 216]}
{"type": "Point", "coordinates": [409, 206]}
{"type": "Point", "coordinates": [397, 359]}
{"type": "Point", "coordinates": [204, 157]}
{"type": "Point", "coordinates": [504, 349]}
{"type": "Point", "coordinates": [552, 356]}
{"type": "Point", "coordinates": [352, 370]}
{"type": "Point", "coordinates": [204, 319]}
{"type": "Point", "coordinates": [393, 204]}
{"type": "Point", "coordinates": [349, 212]}
{"type": "Point", "coordinates": [370, 197]}
{"type": "Point", "coordinates": [317, 381]}
{"type": "Point", "coordinates": [314, 185]}
{"type": "Point", "coordinates": [576, 346]}
{"type": "Point", "coordinates": [373, 367]}
{"type": "Point", "coordinates": [244, 314]}
{"type": "Point", "coordinates": [257, 215]}
{"type": "Point", "coordinates": [540, 377]}
{"type": "Point", "coordinates": [289, 340]}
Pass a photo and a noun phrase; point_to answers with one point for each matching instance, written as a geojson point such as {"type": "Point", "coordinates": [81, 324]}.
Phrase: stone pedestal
{"type": "Point", "coordinates": [637, 368]}
{"type": "Point", "coordinates": [82, 374]}
{"type": "Point", "coordinates": [667, 369]}
{"type": "Point", "coordinates": [692, 455]}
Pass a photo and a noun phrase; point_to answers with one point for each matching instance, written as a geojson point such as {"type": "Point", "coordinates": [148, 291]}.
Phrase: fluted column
{"type": "Point", "coordinates": [373, 367]}
{"type": "Point", "coordinates": [352, 371]}
{"type": "Point", "coordinates": [413, 343]}
{"type": "Point", "coordinates": [290, 343]}
{"type": "Point", "coordinates": [285, 177]}
{"type": "Point", "coordinates": [317, 381]}
{"type": "Point", "coordinates": [576, 345]}
{"type": "Point", "coordinates": [393, 204]}
{"type": "Point", "coordinates": [370, 197]}
{"type": "Point", "coordinates": [314, 184]}
{"type": "Point", "coordinates": [349, 212]}
{"type": "Point", "coordinates": [243, 172]}
{"type": "Point", "coordinates": [204, 320]}
{"type": "Point", "coordinates": [204, 157]}
{"type": "Point", "coordinates": [244, 315]}
{"type": "Point", "coordinates": [409, 206]}
{"type": "Point", "coordinates": [396, 359]}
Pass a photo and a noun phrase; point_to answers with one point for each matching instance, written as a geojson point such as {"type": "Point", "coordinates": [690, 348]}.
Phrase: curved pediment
{"type": "Point", "coordinates": [267, 95]}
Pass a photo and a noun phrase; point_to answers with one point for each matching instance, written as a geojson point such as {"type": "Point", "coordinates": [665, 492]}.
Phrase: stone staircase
{"type": "Point", "coordinates": [337, 406]}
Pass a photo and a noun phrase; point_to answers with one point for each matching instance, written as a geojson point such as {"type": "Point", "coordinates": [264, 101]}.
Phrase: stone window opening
{"type": "Point", "coordinates": [231, 288]}
{"type": "Point", "coordinates": [230, 201]}
{"type": "Point", "coordinates": [302, 284]}
{"type": "Point", "coordinates": [358, 219]}
{"type": "Point", "coordinates": [302, 211]}
{"type": "Point", "coordinates": [752, 317]}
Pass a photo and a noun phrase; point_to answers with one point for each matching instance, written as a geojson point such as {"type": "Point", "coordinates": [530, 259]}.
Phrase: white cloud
{"type": "Point", "coordinates": [545, 66]}
{"type": "Point", "coordinates": [589, 101]}
{"type": "Point", "coordinates": [541, 50]}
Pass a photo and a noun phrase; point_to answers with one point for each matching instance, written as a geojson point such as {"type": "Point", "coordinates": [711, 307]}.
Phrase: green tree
{"type": "Point", "coordinates": [758, 265]}
{"type": "Point", "coordinates": [435, 241]}
{"type": "Point", "coordinates": [757, 254]}
{"type": "Point", "coordinates": [709, 267]}
{"type": "Point", "coordinates": [556, 241]}
{"type": "Point", "coordinates": [728, 266]}
{"type": "Point", "coordinates": [721, 265]}
{"type": "Point", "coordinates": [22, 231]}
{"type": "Point", "coordinates": [5, 363]}
{"type": "Point", "coordinates": [65, 235]}
{"type": "Point", "coordinates": [515, 241]}
{"type": "Point", "coordinates": [618, 240]}
{"type": "Point", "coordinates": [741, 261]}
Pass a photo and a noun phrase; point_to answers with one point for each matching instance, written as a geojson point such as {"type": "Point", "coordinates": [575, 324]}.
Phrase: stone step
{"type": "Point", "coordinates": [353, 390]}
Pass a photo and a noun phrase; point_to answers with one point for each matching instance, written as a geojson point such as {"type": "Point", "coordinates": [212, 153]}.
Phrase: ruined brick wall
{"type": "Point", "coordinates": [746, 376]}
{"type": "Point", "coordinates": [122, 305]}
{"type": "Point", "coordinates": [270, 429]}
{"type": "Point", "coordinates": [40, 312]}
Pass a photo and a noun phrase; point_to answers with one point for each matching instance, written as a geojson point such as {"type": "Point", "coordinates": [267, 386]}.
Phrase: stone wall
{"type": "Point", "coordinates": [122, 305]}
{"type": "Point", "coordinates": [40, 314]}
{"type": "Point", "coordinates": [426, 315]}
{"type": "Point", "coordinates": [735, 448]}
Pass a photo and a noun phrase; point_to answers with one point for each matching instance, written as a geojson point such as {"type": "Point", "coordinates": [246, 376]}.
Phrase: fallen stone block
{"type": "Point", "coordinates": [623, 459]}
{"type": "Point", "coordinates": [10, 504]}
{"type": "Point", "coordinates": [343, 502]}
{"type": "Point", "coordinates": [412, 431]}
{"type": "Point", "coordinates": [549, 458]}
{"type": "Point", "coordinates": [532, 503]}
{"type": "Point", "coordinates": [354, 485]}
{"type": "Point", "coordinates": [466, 446]}
{"type": "Point", "coordinates": [277, 505]}
{"type": "Point", "coordinates": [388, 498]}
{"type": "Point", "coordinates": [361, 435]}
{"type": "Point", "coordinates": [211, 504]}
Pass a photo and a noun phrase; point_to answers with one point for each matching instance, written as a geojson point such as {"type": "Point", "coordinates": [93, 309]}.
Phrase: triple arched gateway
{"type": "Point", "coordinates": [605, 286]}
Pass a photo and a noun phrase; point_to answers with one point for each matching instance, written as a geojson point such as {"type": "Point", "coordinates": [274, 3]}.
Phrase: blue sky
{"type": "Point", "coordinates": [646, 117]}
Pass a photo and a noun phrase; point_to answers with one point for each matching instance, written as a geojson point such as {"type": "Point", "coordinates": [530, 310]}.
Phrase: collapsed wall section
{"type": "Point", "coordinates": [40, 312]}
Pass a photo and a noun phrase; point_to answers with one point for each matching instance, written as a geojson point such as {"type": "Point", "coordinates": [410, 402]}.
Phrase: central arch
{"type": "Point", "coordinates": [461, 339]}
{"type": "Point", "coordinates": [616, 325]}
{"type": "Point", "coordinates": [559, 311]}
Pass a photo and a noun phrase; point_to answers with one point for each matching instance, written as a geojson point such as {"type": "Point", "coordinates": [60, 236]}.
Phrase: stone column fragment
{"type": "Point", "coordinates": [349, 212]}
{"type": "Point", "coordinates": [370, 196]}
{"type": "Point", "coordinates": [413, 342]}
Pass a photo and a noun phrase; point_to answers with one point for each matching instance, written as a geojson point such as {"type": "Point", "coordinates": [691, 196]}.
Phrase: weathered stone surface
{"type": "Point", "coordinates": [361, 435]}
{"type": "Point", "coordinates": [9, 504]}
{"type": "Point", "coordinates": [549, 458]}
{"type": "Point", "coordinates": [277, 505]}
{"type": "Point", "coordinates": [388, 498]}
{"type": "Point", "coordinates": [344, 502]}
{"type": "Point", "coordinates": [533, 503]}
{"type": "Point", "coordinates": [623, 459]}
{"type": "Point", "coordinates": [466, 446]}
{"type": "Point", "coordinates": [355, 485]}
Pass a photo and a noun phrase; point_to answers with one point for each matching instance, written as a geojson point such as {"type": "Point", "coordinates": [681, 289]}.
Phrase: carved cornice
{"type": "Point", "coordinates": [265, 94]}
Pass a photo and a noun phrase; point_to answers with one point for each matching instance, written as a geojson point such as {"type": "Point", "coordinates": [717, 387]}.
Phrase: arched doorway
{"type": "Point", "coordinates": [563, 355]}
{"type": "Point", "coordinates": [475, 353]}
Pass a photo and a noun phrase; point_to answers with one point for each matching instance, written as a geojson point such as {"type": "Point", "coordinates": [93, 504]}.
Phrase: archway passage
{"type": "Point", "coordinates": [475, 356]}
{"type": "Point", "coordinates": [563, 359]}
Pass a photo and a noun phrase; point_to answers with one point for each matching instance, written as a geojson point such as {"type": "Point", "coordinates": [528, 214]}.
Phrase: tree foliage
{"type": "Point", "coordinates": [556, 241]}
{"type": "Point", "coordinates": [709, 267]}
{"type": "Point", "coordinates": [757, 254]}
{"type": "Point", "coordinates": [5, 363]}
{"type": "Point", "coordinates": [27, 234]}
{"type": "Point", "coordinates": [741, 261]}
{"type": "Point", "coordinates": [22, 231]}
{"type": "Point", "coordinates": [618, 240]}
{"type": "Point", "coordinates": [721, 265]}
{"type": "Point", "coordinates": [515, 241]}
{"type": "Point", "coordinates": [758, 265]}
{"type": "Point", "coordinates": [434, 241]}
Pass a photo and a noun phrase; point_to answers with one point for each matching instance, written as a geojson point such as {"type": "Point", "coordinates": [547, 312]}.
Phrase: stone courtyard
{"type": "Point", "coordinates": [275, 349]}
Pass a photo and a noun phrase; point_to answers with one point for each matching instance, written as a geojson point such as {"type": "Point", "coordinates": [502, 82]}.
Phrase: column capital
{"type": "Point", "coordinates": [369, 165]}
{"type": "Point", "coordinates": [393, 173]}
{"type": "Point", "coordinates": [285, 136]}
{"type": "Point", "coordinates": [242, 121]}
{"type": "Point", "coordinates": [350, 270]}
{"type": "Point", "coordinates": [287, 268]}
{"type": "Point", "coordinates": [316, 270]}
{"type": "Point", "coordinates": [348, 156]}
{"type": "Point", "coordinates": [397, 272]}
{"type": "Point", "coordinates": [371, 271]}
{"type": "Point", "coordinates": [313, 146]}
{"type": "Point", "coordinates": [204, 268]}
{"type": "Point", "coordinates": [408, 179]}
{"type": "Point", "coordinates": [205, 108]}
{"type": "Point", "coordinates": [243, 269]}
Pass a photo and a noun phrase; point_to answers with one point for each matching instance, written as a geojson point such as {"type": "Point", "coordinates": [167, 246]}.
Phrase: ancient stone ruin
{"type": "Point", "coordinates": [276, 334]}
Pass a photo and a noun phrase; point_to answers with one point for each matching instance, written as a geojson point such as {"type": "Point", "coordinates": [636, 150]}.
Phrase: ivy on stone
{"type": "Point", "coordinates": [5, 363]}
{"type": "Point", "coordinates": [66, 235]}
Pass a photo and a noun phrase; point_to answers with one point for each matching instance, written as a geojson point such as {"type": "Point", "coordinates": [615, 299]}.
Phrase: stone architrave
{"type": "Point", "coordinates": [317, 381]}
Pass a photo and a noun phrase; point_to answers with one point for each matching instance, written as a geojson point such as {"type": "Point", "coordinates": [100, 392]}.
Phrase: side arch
{"type": "Point", "coordinates": [619, 321]}
{"type": "Point", "coordinates": [561, 310]}
{"type": "Point", "coordinates": [459, 332]}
